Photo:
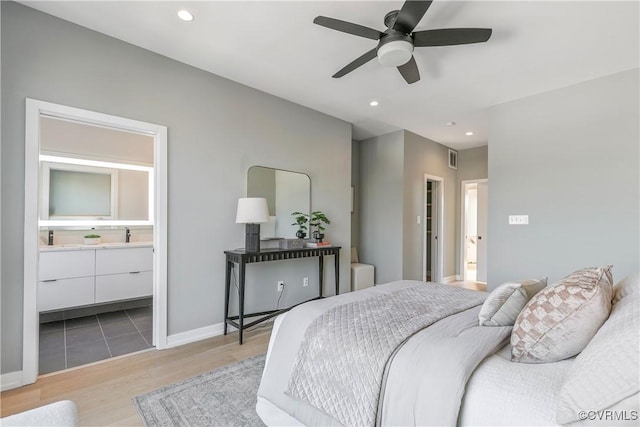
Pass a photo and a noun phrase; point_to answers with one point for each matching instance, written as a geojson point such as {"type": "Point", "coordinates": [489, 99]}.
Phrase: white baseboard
{"type": "Point", "coordinates": [10, 380]}
{"type": "Point", "coordinates": [194, 335]}
{"type": "Point", "coordinates": [450, 279]}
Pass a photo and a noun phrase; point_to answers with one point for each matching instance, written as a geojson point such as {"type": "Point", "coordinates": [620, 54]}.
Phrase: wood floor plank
{"type": "Point", "coordinates": [103, 392]}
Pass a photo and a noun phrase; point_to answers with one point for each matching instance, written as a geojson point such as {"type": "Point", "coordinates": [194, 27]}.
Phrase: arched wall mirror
{"type": "Point", "coordinates": [286, 192]}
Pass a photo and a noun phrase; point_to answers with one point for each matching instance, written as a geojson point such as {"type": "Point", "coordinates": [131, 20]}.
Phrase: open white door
{"type": "Point", "coordinates": [483, 189]}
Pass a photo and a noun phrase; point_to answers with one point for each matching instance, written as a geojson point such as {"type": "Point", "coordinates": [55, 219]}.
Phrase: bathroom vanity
{"type": "Point", "coordinates": [80, 275]}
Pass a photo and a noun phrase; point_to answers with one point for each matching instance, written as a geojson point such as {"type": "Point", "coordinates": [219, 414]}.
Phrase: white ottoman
{"type": "Point", "coordinates": [362, 275]}
{"type": "Point", "coordinates": [56, 414]}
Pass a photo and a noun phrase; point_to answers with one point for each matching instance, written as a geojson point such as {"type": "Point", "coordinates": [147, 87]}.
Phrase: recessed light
{"type": "Point", "coordinates": [451, 123]}
{"type": "Point", "coordinates": [374, 103]}
{"type": "Point", "coordinates": [469, 133]}
{"type": "Point", "coordinates": [185, 15]}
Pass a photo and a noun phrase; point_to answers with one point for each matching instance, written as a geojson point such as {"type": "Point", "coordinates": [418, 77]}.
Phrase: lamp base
{"type": "Point", "coordinates": [252, 238]}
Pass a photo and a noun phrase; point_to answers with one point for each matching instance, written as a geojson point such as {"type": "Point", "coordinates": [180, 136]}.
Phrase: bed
{"type": "Point", "coordinates": [324, 367]}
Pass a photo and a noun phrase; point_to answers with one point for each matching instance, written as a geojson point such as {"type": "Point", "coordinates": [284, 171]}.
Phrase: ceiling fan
{"type": "Point", "coordinates": [396, 43]}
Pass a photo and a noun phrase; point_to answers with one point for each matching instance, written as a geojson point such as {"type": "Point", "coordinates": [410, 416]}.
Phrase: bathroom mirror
{"type": "Point", "coordinates": [93, 173]}
{"type": "Point", "coordinates": [286, 192]}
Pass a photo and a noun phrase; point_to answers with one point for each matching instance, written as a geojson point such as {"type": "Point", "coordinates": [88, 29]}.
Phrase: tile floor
{"type": "Point", "coordinates": [68, 343]}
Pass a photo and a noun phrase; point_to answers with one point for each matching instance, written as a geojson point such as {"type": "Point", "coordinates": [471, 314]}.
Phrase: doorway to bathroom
{"type": "Point", "coordinates": [474, 230]}
{"type": "Point", "coordinates": [95, 237]}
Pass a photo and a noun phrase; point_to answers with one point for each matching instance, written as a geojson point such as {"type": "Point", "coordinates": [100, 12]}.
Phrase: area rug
{"type": "Point", "coordinates": [223, 397]}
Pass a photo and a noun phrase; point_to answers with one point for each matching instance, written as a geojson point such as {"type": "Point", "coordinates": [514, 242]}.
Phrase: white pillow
{"type": "Point", "coordinates": [607, 371]}
{"type": "Point", "coordinates": [627, 286]}
{"type": "Point", "coordinates": [504, 303]}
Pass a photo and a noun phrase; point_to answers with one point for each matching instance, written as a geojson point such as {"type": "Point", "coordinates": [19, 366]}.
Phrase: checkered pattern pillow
{"type": "Point", "coordinates": [559, 321]}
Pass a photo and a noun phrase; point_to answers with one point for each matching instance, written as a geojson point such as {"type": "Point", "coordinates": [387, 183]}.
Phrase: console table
{"type": "Point", "coordinates": [242, 258]}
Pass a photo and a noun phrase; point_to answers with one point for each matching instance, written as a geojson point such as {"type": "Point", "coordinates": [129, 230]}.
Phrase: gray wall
{"type": "Point", "coordinates": [570, 160]}
{"type": "Point", "coordinates": [381, 181]}
{"type": "Point", "coordinates": [392, 169]}
{"type": "Point", "coordinates": [217, 130]}
{"type": "Point", "coordinates": [355, 183]}
{"type": "Point", "coordinates": [423, 156]}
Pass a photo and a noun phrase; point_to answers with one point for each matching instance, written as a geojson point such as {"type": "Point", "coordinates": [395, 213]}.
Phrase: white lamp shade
{"type": "Point", "coordinates": [252, 210]}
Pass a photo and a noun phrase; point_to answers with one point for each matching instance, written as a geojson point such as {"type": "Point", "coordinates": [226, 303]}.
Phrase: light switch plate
{"type": "Point", "coordinates": [518, 219]}
{"type": "Point", "coordinates": [418, 220]}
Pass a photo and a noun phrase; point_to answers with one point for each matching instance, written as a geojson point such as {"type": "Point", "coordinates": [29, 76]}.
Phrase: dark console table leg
{"type": "Point", "coordinates": [242, 268]}
{"type": "Point", "coordinates": [337, 261]}
{"type": "Point", "coordinates": [227, 287]}
{"type": "Point", "coordinates": [320, 273]}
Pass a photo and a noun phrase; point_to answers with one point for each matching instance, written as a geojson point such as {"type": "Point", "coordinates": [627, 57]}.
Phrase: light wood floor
{"type": "Point", "coordinates": [470, 284]}
{"type": "Point", "coordinates": [103, 391]}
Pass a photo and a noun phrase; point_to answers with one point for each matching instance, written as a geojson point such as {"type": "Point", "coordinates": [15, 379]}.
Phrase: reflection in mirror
{"type": "Point", "coordinates": [94, 173]}
{"type": "Point", "coordinates": [286, 192]}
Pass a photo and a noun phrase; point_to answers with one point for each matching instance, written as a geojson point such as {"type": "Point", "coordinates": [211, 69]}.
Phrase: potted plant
{"type": "Point", "coordinates": [317, 220]}
{"type": "Point", "coordinates": [91, 239]}
{"type": "Point", "coordinates": [301, 220]}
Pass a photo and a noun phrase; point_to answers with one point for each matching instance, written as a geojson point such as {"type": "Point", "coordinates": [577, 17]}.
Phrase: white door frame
{"type": "Point", "coordinates": [34, 109]}
{"type": "Point", "coordinates": [463, 252]}
{"type": "Point", "coordinates": [439, 264]}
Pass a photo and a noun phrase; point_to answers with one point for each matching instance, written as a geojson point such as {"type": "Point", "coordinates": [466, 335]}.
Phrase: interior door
{"type": "Point", "coordinates": [483, 189]}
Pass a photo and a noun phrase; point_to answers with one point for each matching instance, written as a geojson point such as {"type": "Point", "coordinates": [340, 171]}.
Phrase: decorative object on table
{"type": "Point", "coordinates": [318, 244]}
{"type": "Point", "coordinates": [292, 243]}
{"type": "Point", "coordinates": [252, 211]}
{"type": "Point", "coordinates": [317, 221]}
{"type": "Point", "coordinates": [92, 239]}
{"type": "Point", "coordinates": [227, 395]}
{"type": "Point", "coordinates": [301, 220]}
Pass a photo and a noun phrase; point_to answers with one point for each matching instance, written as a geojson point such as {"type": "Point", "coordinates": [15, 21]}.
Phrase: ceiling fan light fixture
{"type": "Point", "coordinates": [395, 53]}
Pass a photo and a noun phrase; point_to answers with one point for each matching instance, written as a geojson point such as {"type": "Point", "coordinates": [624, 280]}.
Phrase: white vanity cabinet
{"type": "Point", "coordinates": [124, 273]}
{"type": "Point", "coordinates": [66, 279]}
{"type": "Point", "coordinates": [73, 277]}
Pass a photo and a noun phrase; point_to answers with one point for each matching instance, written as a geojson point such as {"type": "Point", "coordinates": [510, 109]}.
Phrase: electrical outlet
{"type": "Point", "coordinates": [280, 287]}
{"type": "Point", "coordinates": [305, 282]}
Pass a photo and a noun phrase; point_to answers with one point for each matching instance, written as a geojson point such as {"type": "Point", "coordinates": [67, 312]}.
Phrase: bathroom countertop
{"type": "Point", "coordinates": [80, 246]}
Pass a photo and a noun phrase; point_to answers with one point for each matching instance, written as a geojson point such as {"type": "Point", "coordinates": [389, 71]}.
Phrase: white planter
{"type": "Point", "coordinates": [91, 240]}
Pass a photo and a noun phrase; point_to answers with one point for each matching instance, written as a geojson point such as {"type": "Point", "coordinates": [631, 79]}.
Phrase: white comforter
{"type": "Point", "coordinates": [424, 382]}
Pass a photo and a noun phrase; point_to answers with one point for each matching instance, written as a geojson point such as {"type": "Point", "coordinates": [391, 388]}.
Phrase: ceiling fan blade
{"type": "Point", "coordinates": [358, 62]}
{"type": "Point", "coordinates": [348, 27]}
{"type": "Point", "coordinates": [450, 36]}
{"type": "Point", "coordinates": [410, 15]}
{"type": "Point", "coordinates": [410, 71]}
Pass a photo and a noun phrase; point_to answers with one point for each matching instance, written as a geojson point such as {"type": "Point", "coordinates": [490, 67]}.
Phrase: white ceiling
{"type": "Point", "coordinates": [536, 46]}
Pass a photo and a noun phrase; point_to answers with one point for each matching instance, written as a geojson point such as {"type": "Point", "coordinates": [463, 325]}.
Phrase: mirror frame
{"type": "Point", "coordinates": [308, 209]}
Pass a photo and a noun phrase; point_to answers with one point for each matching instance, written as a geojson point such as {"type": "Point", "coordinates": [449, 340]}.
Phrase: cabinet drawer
{"type": "Point", "coordinates": [66, 264]}
{"type": "Point", "coordinates": [65, 293]}
{"type": "Point", "coordinates": [112, 261]}
{"type": "Point", "coordinates": [124, 286]}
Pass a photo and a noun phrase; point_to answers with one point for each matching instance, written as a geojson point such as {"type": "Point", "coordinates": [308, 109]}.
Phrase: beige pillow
{"type": "Point", "coordinates": [560, 320]}
{"type": "Point", "coordinates": [504, 303]}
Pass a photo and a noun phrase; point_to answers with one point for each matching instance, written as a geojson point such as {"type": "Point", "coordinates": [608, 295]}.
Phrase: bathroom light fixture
{"type": "Point", "coordinates": [252, 211]}
{"type": "Point", "coordinates": [469, 133]}
{"type": "Point", "coordinates": [374, 103]}
{"type": "Point", "coordinates": [452, 123]}
{"type": "Point", "coordinates": [185, 15]}
{"type": "Point", "coordinates": [395, 53]}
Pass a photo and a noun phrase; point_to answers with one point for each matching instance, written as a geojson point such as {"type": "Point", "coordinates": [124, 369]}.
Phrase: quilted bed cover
{"type": "Point", "coordinates": [423, 379]}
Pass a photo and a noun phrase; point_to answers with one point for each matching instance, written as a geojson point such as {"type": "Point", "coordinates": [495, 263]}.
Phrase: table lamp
{"type": "Point", "coordinates": [252, 211]}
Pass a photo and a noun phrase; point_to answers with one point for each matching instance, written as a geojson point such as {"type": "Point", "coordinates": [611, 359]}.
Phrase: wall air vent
{"type": "Point", "coordinates": [453, 159]}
